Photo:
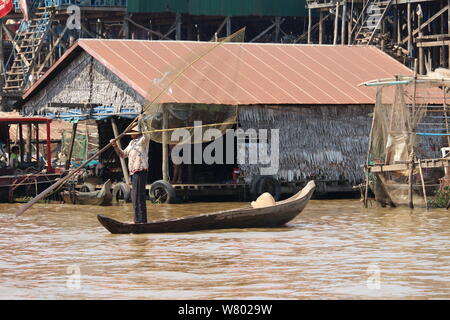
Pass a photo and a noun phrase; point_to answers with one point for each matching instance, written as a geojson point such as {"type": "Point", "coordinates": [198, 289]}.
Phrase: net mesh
{"type": "Point", "coordinates": [410, 121]}
{"type": "Point", "coordinates": [161, 119]}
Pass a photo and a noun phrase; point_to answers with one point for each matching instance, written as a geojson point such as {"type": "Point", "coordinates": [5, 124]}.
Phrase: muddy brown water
{"type": "Point", "coordinates": [334, 250]}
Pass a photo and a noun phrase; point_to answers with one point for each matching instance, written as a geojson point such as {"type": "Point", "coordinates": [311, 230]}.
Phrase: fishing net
{"type": "Point", "coordinates": [163, 114]}
{"type": "Point", "coordinates": [410, 122]}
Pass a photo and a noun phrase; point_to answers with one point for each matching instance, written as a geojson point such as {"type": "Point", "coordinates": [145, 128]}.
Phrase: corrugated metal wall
{"type": "Point", "coordinates": [222, 7]}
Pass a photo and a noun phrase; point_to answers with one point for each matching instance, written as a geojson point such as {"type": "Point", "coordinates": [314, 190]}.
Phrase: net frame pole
{"type": "Point", "coordinates": [366, 190]}
{"type": "Point", "coordinates": [412, 132]}
{"type": "Point", "coordinates": [123, 164]}
{"type": "Point", "coordinates": [165, 151]}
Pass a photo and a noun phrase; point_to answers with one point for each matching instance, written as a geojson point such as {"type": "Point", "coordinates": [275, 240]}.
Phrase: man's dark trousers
{"type": "Point", "coordinates": [138, 196]}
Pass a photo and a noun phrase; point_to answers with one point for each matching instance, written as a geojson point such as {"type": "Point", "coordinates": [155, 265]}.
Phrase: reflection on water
{"type": "Point", "coordinates": [334, 249]}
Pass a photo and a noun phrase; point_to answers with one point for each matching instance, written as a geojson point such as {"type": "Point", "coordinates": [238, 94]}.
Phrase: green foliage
{"type": "Point", "coordinates": [441, 198]}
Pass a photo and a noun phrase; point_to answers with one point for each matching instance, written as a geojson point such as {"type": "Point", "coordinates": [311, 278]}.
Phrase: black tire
{"type": "Point", "coordinates": [87, 187]}
{"type": "Point", "coordinates": [262, 184]}
{"type": "Point", "coordinates": [162, 192]}
{"type": "Point", "coordinates": [121, 192]}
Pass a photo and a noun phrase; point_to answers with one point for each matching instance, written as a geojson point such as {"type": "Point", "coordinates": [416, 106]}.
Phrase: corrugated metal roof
{"type": "Point", "coordinates": [243, 73]}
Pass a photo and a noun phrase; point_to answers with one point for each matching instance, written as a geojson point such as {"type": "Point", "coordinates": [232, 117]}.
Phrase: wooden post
{"type": "Point", "coordinates": [344, 21]}
{"type": "Point", "coordinates": [448, 31]}
{"type": "Point", "coordinates": [442, 48]}
{"type": "Point", "coordinates": [366, 191]}
{"type": "Point", "coordinates": [411, 161]}
{"type": "Point", "coordinates": [21, 144]}
{"type": "Point", "coordinates": [320, 27]}
{"type": "Point", "coordinates": [98, 29]}
{"type": "Point", "coordinates": [49, 148]}
{"type": "Point", "coordinates": [72, 142]}
{"type": "Point", "coordinates": [309, 25]}
{"type": "Point", "coordinates": [409, 29]}
{"type": "Point", "coordinates": [30, 137]}
{"type": "Point", "coordinates": [178, 27]}
{"type": "Point", "coordinates": [1, 62]}
{"type": "Point", "coordinates": [424, 190]}
{"type": "Point", "coordinates": [36, 128]}
{"type": "Point", "coordinates": [421, 56]}
{"type": "Point", "coordinates": [126, 28]}
{"type": "Point", "coordinates": [123, 163]}
{"type": "Point", "coordinates": [277, 28]}
{"type": "Point", "coordinates": [165, 150]}
{"type": "Point", "coordinates": [410, 182]}
{"type": "Point", "coordinates": [336, 23]}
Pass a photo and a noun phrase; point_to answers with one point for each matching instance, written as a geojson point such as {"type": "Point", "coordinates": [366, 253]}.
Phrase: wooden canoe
{"type": "Point", "coordinates": [96, 198]}
{"type": "Point", "coordinates": [269, 217]}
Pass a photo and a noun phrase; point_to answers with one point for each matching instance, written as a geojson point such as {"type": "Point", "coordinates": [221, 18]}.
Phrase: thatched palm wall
{"type": "Point", "coordinates": [322, 142]}
{"type": "Point", "coordinates": [85, 80]}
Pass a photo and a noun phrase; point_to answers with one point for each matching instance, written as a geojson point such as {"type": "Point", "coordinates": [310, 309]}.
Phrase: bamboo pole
{"type": "Point", "coordinates": [446, 115]}
{"type": "Point", "coordinates": [409, 29]}
{"type": "Point", "coordinates": [2, 61]}
{"type": "Point", "coordinates": [30, 138]}
{"type": "Point", "coordinates": [366, 190]}
{"type": "Point", "coordinates": [320, 27]}
{"type": "Point", "coordinates": [165, 151]}
{"type": "Point", "coordinates": [36, 128]}
{"type": "Point", "coordinates": [336, 24]}
{"type": "Point", "coordinates": [421, 55]}
{"type": "Point", "coordinates": [411, 162]}
{"type": "Point", "coordinates": [344, 21]}
{"type": "Point", "coordinates": [22, 151]}
{"type": "Point", "coordinates": [72, 143]}
{"type": "Point", "coordinates": [123, 164]}
{"type": "Point", "coordinates": [423, 185]}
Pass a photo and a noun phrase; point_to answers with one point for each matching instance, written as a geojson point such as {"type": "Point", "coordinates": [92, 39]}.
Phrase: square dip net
{"type": "Point", "coordinates": [411, 123]}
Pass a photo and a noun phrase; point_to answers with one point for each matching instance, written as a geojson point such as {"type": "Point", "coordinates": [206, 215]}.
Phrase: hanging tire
{"type": "Point", "coordinates": [262, 184]}
{"type": "Point", "coordinates": [87, 187]}
{"type": "Point", "coordinates": [162, 192]}
{"type": "Point", "coordinates": [121, 192]}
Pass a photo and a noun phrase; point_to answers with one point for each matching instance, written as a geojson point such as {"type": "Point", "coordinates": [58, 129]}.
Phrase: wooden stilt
{"type": "Point", "coordinates": [21, 144]}
{"type": "Point", "coordinates": [228, 26]}
{"type": "Point", "coordinates": [321, 27]}
{"type": "Point", "coordinates": [36, 128]}
{"type": "Point", "coordinates": [350, 24]}
{"type": "Point", "coordinates": [424, 190]}
{"type": "Point", "coordinates": [344, 21]}
{"type": "Point", "coordinates": [277, 28]}
{"type": "Point", "coordinates": [178, 27]}
{"type": "Point", "coordinates": [421, 55]}
{"type": "Point", "coordinates": [448, 30]}
{"type": "Point", "coordinates": [2, 61]}
{"type": "Point", "coordinates": [123, 164]}
{"type": "Point", "coordinates": [442, 61]}
{"type": "Point", "coordinates": [72, 143]}
{"type": "Point", "coordinates": [409, 29]}
{"type": "Point", "coordinates": [29, 139]}
{"type": "Point", "coordinates": [126, 28]}
{"type": "Point", "coordinates": [309, 25]}
{"type": "Point", "coordinates": [410, 182]}
{"type": "Point", "coordinates": [366, 190]}
{"type": "Point", "coordinates": [336, 23]}
{"type": "Point", "coordinates": [412, 155]}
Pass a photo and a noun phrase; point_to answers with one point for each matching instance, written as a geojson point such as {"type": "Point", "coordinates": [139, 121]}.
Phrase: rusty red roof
{"type": "Point", "coordinates": [242, 73]}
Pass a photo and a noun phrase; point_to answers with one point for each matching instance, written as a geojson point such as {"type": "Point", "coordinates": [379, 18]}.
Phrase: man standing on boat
{"type": "Point", "coordinates": [137, 154]}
